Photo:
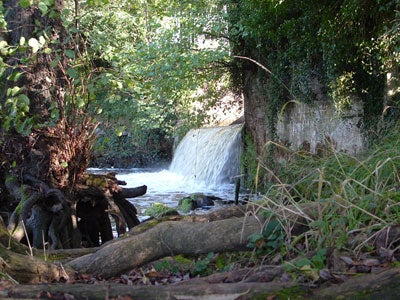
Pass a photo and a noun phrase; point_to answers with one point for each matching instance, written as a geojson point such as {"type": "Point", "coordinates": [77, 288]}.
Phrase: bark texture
{"type": "Point", "coordinates": [165, 239]}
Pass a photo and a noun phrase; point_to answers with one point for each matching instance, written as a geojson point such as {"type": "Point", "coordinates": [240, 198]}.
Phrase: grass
{"type": "Point", "coordinates": [337, 197]}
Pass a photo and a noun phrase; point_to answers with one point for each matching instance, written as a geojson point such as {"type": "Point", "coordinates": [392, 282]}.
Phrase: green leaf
{"type": "Point", "coordinates": [43, 7]}
{"type": "Point", "coordinates": [55, 114]}
{"type": "Point", "coordinates": [23, 100]}
{"type": "Point", "coordinates": [25, 3]}
{"type": "Point", "coordinates": [49, 3]}
{"type": "Point", "coordinates": [303, 262]}
{"type": "Point", "coordinates": [13, 91]}
{"type": "Point", "coordinates": [64, 164]}
{"type": "Point", "coordinates": [72, 73]}
{"type": "Point", "coordinates": [14, 76]}
{"type": "Point", "coordinates": [55, 62]}
{"type": "Point", "coordinates": [70, 53]}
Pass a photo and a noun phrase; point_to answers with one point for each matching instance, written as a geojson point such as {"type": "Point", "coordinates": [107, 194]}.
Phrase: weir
{"type": "Point", "coordinates": [209, 155]}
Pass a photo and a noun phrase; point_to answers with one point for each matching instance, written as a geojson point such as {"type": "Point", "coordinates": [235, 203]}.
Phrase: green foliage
{"type": "Point", "coordinates": [308, 266]}
{"type": "Point", "coordinates": [185, 205]}
{"type": "Point", "coordinates": [337, 194]}
{"type": "Point", "coordinates": [152, 67]}
{"type": "Point", "coordinates": [270, 240]}
{"type": "Point", "coordinates": [137, 69]}
{"type": "Point", "coordinates": [343, 46]}
{"type": "Point", "coordinates": [202, 267]}
{"type": "Point", "coordinates": [158, 210]}
{"type": "Point", "coordinates": [166, 265]}
{"type": "Point", "coordinates": [249, 163]}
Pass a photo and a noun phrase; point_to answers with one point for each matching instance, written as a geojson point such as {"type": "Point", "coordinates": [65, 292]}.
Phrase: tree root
{"type": "Point", "coordinates": [44, 217]}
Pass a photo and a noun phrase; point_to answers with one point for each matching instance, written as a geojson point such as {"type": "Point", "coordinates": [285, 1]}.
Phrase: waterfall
{"type": "Point", "coordinates": [209, 155]}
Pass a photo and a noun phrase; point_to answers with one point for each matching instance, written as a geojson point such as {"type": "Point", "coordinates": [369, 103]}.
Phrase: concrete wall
{"type": "Point", "coordinates": [313, 127]}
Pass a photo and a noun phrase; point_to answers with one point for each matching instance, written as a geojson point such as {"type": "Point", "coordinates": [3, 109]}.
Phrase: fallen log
{"type": "Point", "coordinates": [173, 237]}
{"type": "Point", "coordinates": [242, 291]}
{"type": "Point", "coordinates": [383, 285]}
{"type": "Point", "coordinates": [30, 269]}
{"type": "Point", "coordinates": [165, 239]}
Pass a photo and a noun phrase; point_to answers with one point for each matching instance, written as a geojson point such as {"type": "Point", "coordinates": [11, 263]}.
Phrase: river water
{"type": "Point", "coordinates": [164, 186]}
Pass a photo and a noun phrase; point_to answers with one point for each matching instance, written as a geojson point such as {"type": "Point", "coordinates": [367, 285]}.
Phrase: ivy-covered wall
{"type": "Point", "coordinates": [333, 54]}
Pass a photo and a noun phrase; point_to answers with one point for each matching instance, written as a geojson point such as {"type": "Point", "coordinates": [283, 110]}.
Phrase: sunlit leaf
{"type": "Point", "coordinates": [42, 41]}
{"type": "Point", "coordinates": [43, 7]}
{"type": "Point", "coordinates": [49, 3]}
{"type": "Point", "coordinates": [14, 76]}
{"type": "Point", "coordinates": [3, 44]}
{"type": "Point", "coordinates": [34, 44]}
{"type": "Point", "coordinates": [13, 91]}
{"type": "Point", "coordinates": [47, 50]}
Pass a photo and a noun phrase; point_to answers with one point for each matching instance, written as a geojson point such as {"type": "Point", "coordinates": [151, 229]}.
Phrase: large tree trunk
{"type": "Point", "coordinates": [42, 154]}
{"type": "Point", "coordinates": [56, 153]}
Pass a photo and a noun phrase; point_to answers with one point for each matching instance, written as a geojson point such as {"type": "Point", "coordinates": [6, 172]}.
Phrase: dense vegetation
{"type": "Point", "coordinates": [343, 52]}
{"type": "Point", "coordinates": [157, 60]}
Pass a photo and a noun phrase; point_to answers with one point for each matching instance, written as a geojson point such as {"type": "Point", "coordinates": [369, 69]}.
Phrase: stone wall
{"type": "Point", "coordinates": [316, 127]}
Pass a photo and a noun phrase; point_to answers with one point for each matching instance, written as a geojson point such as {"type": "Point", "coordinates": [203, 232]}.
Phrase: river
{"type": "Point", "coordinates": [164, 186]}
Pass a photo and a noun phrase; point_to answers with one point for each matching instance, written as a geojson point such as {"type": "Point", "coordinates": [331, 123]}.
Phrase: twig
{"type": "Point", "coordinates": [27, 238]}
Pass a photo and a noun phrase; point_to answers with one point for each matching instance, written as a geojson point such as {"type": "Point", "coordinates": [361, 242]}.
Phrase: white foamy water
{"type": "Point", "coordinates": [164, 186]}
{"type": "Point", "coordinates": [210, 155]}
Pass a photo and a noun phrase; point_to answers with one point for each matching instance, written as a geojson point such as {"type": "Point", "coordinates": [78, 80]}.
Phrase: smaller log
{"type": "Point", "coordinates": [133, 192]}
{"type": "Point", "coordinates": [30, 269]}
